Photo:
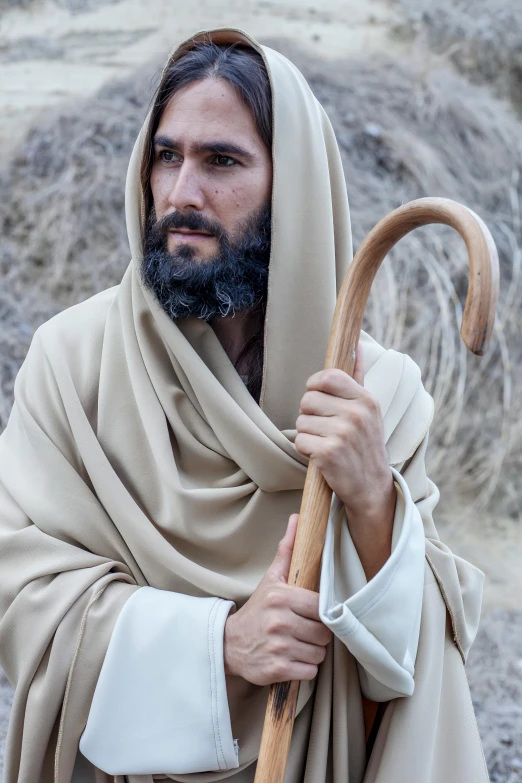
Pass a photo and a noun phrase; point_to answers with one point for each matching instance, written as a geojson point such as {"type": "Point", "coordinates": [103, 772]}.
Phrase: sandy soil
{"type": "Point", "coordinates": [494, 546]}
{"type": "Point", "coordinates": [49, 55]}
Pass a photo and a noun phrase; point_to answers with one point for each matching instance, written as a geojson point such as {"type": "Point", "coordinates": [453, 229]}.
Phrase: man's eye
{"type": "Point", "coordinates": [168, 156]}
{"type": "Point", "coordinates": [224, 160]}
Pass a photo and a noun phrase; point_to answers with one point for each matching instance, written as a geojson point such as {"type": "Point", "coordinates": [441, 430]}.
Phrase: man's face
{"type": "Point", "coordinates": [209, 161]}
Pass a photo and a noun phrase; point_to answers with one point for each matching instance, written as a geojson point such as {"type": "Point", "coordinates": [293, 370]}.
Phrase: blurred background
{"type": "Point", "coordinates": [426, 99]}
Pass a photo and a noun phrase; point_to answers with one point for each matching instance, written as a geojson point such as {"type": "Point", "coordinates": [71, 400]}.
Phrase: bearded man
{"type": "Point", "coordinates": [157, 451]}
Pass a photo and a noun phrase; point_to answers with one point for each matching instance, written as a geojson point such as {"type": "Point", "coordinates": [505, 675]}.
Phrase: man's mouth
{"type": "Point", "coordinates": [185, 235]}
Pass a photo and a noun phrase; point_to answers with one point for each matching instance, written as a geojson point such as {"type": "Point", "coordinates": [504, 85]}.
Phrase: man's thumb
{"type": "Point", "coordinates": [280, 568]}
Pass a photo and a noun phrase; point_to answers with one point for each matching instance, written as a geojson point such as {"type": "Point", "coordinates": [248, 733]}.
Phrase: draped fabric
{"type": "Point", "coordinates": [134, 455]}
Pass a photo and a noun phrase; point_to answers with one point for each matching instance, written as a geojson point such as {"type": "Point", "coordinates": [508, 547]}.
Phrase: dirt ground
{"type": "Point", "coordinates": [51, 54]}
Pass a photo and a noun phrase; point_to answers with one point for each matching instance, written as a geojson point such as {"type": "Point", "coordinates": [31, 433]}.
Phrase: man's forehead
{"type": "Point", "coordinates": [205, 112]}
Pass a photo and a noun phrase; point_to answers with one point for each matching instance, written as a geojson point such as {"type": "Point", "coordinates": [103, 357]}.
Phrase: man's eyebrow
{"type": "Point", "coordinates": [164, 141]}
{"type": "Point", "coordinates": [223, 148]}
{"type": "Point", "coordinates": [216, 147]}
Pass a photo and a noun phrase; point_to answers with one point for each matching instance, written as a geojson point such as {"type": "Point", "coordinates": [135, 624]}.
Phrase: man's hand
{"type": "Point", "coordinates": [277, 635]}
{"type": "Point", "coordinates": [340, 427]}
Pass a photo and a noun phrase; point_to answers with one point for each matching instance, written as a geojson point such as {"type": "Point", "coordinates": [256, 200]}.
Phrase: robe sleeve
{"type": "Point", "coordinates": [379, 621]}
{"type": "Point", "coordinates": [161, 700]}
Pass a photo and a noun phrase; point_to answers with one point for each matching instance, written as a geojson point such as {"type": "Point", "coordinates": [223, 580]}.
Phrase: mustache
{"type": "Point", "coordinates": [192, 221]}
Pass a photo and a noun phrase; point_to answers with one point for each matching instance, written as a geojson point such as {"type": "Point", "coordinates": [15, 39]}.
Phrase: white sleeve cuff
{"type": "Point", "coordinates": [160, 704]}
{"type": "Point", "coordinates": [379, 620]}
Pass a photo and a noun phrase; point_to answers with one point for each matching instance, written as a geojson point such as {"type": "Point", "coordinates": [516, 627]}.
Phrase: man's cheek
{"type": "Point", "coordinates": [161, 188]}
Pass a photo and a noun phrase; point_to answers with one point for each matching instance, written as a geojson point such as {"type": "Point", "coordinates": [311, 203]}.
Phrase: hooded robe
{"type": "Point", "coordinates": [135, 456]}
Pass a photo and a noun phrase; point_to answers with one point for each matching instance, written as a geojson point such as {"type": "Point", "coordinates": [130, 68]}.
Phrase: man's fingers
{"type": "Point", "coordinates": [308, 653]}
{"type": "Point", "coordinates": [280, 567]}
{"type": "Point", "coordinates": [311, 631]}
{"type": "Point", "coordinates": [335, 382]}
{"type": "Point", "coordinates": [324, 426]}
{"type": "Point", "coordinates": [296, 671]}
{"type": "Point", "coordinates": [304, 603]}
{"type": "Point", "coordinates": [316, 403]}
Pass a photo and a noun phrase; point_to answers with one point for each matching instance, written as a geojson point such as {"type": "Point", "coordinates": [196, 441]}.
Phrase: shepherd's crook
{"type": "Point", "coordinates": [477, 323]}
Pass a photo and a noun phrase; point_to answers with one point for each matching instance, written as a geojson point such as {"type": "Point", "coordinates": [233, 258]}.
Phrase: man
{"type": "Point", "coordinates": [158, 447]}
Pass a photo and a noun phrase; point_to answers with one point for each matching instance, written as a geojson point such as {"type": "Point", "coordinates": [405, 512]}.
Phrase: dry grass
{"type": "Point", "coordinates": [481, 38]}
{"type": "Point", "coordinates": [61, 216]}
{"type": "Point", "coordinates": [494, 670]}
{"type": "Point", "coordinates": [403, 133]}
{"type": "Point", "coordinates": [6, 4]}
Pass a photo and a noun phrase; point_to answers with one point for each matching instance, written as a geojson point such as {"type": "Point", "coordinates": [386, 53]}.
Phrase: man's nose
{"type": "Point", "coordinates": [187, 189]}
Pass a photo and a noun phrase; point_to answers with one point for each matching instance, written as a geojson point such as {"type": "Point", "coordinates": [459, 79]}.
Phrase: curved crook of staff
{"type": "Point", "coordinates": [477, 325]}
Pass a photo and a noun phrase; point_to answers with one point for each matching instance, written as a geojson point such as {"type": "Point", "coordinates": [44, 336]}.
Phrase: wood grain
{"type": "Point", "coordinates": [477, 325]}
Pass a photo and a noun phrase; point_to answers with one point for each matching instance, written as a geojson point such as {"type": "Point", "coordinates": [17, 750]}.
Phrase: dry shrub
{"type": "Point", "coordinates": [403, 134]}
{"type": "Point", "coordinates": [74, 6]}
{"type": "Point", "coordinates": [6, 4]}
{"type": "Point", "coordinates": [62, 215]}
{"type": "Point", "coordinates": [482, 38]}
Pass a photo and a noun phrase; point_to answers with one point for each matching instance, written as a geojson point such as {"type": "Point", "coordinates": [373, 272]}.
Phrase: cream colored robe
{"type": "Point", "coordinates": [135, 456]}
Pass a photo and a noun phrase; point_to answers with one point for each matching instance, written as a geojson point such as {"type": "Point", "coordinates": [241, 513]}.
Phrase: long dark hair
{"type": "Point", "coordinates": [243, 68]}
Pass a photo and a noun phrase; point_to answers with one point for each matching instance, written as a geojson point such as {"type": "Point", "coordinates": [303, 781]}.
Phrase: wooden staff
{"type": "Point", "coordinates": [477, 324]}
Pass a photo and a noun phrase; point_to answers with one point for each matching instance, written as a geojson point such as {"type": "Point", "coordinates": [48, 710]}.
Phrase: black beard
{"type": "Point", "coordinates": [235, 279]}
